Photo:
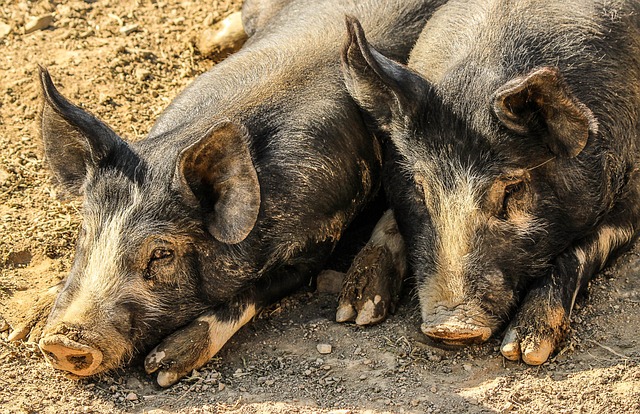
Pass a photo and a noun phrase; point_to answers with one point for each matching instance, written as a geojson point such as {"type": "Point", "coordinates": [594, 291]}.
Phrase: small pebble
{"type": "Point", "coordinates": [324, 348]}
{"type": "Point", "coordinates": [125, 30]}
{"type": "Point", "coordinates": [132, 396]}
{"type": "Point", "coordinates": [38, 23]}
{"type": "Point", "coordinates": [507, 407]}
{"type": "Point", "coordinates": [5, 29]}
{"type": "Point", "coordinates": [466, 367]}
{"type": "Point", "coordinates": [4, 326]}
{"type": "Point", "coordinates": [133, 383]}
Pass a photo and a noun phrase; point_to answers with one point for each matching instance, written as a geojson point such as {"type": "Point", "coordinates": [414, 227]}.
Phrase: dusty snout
{"type": "Point", "coordinates": [460, 325]}
{"type": "Point", "coordinates": [66, 354]}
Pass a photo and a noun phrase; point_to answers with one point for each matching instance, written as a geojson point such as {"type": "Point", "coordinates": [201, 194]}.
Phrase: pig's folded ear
{"type": "Point", "coordinates": [74, 140]}
{"type": "Point", "coordinates": [383, 88]}
{"type": "Point", "coordinates": [541, 101]}
{"type": "Point", "coordinates": [217, 173]}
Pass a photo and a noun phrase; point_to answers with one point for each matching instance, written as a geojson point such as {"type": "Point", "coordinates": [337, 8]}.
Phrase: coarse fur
{"type": "Point", "coordinates": [237, 196]}
{"type": "Point", "coordinates": [511, 160]}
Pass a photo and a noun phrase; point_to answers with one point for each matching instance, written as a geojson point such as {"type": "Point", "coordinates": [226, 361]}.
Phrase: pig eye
{"type": "Point", "coordinates": [159, 257]}
{"type": "Point", "coordinates": [512, 193]}
{"type": "Point", "coordinates": [159, 254]}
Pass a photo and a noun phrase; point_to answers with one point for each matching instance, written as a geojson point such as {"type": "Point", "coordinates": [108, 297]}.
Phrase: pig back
{"type": "Point", "coordinates": [313, 154]}
{"type": "Point", "coordinates": [471, 48]}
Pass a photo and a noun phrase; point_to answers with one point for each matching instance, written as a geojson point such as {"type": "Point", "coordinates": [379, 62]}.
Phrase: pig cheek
{"type": "Point", "coordinates": [497, 296]}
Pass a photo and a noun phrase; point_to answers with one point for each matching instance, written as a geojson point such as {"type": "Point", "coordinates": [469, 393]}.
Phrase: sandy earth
{"type": "Point", "coordinates": [125, 61]}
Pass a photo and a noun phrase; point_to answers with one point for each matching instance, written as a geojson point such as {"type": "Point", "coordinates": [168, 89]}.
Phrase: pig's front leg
{"type": "Point", "coordinates": [542, 320]}
{"type": "Point", "coordinates": [374, 280]}
{"type": "Point", "coordinates": [193, 346]}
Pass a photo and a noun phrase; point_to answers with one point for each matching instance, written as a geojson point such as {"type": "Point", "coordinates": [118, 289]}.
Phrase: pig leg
{"type": "Point", "coordinates": [542, 320]}
{"type": "Point", "coordinates": [374, 280]}
{"type": "Point", "coordinates": [194, 345]}
{"type": "Point", "coordinates": [34, 321]}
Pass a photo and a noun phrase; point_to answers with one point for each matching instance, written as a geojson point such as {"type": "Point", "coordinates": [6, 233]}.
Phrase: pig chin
{"type": "Point", "coordinates": [461, 325]}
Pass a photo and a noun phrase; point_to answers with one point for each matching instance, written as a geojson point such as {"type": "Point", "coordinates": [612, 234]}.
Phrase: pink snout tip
{"type": "Point", "coordinates": [71, 356]}
{"type": "Point", "coordinates": [456, 333]}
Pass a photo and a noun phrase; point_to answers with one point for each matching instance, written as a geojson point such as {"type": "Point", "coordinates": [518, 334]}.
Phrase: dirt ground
{"type": "Point", "coordinates": [125, 61]}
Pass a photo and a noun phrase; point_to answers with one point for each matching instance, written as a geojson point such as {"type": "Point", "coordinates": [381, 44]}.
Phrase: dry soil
{"type": "Point", "coordinates": [124, 61]}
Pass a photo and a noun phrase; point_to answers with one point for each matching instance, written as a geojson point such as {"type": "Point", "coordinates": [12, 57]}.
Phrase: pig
{"type": "Point", "coordinates": [236, 197]}
{"type": "Point", "coordinates": [511, 161]}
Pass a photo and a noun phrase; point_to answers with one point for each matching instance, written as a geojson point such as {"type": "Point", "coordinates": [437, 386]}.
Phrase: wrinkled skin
{"type": "Point", "coordinates": [511, 160]}
{"type": "Point", "coordinates": [237, 197]}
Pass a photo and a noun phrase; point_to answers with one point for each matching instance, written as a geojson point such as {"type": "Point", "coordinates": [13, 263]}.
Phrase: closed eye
{"type": "Point", "coordinates": [159, 257]}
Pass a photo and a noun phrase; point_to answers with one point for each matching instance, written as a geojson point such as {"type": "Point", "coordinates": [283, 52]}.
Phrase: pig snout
{"type": "Point", "coordinates": [457, 326]}
{"type": "Point", "coordinates": [66, 354]}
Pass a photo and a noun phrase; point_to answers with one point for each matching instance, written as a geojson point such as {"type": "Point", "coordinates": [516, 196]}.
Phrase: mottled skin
{"type": "Point", "coordinates": [237, 196]}
{"type": "Point", "coordinates": [511, 159]}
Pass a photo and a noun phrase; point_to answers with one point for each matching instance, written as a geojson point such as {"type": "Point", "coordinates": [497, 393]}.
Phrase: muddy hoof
{"type": "Point", "coordinates": [224, 38]}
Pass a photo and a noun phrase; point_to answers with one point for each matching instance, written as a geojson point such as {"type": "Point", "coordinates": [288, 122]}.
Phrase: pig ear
{"type": "Point", "coordinates": [541, 99]}
{"type": "Point", "coordinates": [74, 140]}
{"type": "Point", "coordinates": [218, 173]}
{"type": "Point", "coordinates": [383, 88]}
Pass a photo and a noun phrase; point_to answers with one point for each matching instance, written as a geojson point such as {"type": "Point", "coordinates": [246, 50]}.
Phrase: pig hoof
{"type": "Point", "coordinates": [533, 336]}
{"type": "Point", "coordinates": [223, 39]}
{"type": "Point", "coordinates": [538, 353]}
{"type": "Point", "coordinates": [371, 287]}
{"type": "Point", "coordinates": [346, 313]}
{"type": "Point", "coordinates": [180, 353]}
{"type": "Point", "coordinates": [372, 312]}
{"type": "Point", "coordinates": [33, 323]}
{"type": "Point", "coordinates": [533, 348]}
{"type": "Point", "coordinates": [510, 347]}
{"type": "Point", "coordinates": [157, 360]}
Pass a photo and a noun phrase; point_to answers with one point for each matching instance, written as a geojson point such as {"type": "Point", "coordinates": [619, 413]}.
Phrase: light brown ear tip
{"type": "Point", "coordinates": [228, 237]}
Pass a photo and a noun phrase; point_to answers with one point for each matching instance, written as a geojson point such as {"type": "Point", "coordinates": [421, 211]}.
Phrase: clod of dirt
{"type": "Point", "coordinates": [20, 258]}
{"type": "Point", "coordinates": [4, 174]}
{"type": "Point", "coordinates": [324, 348]}
{"type": "Point", "coordinates": [5, 29]}
{"type": "Point", "coordinates": [4, 326]}
{"type": "Point", "coordinates": [330, 281]}
{"type": "Point", "coordinates": [222, 39]}
{"type": "Point", "coordinates": [125, 30]}
{"type": "Point", "coordinates": [38, 23]}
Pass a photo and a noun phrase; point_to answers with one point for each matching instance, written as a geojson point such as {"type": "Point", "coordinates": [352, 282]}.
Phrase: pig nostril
{"type": "Point", "coordinates": [51, 356]}
{"type": "Point", "coordinates": [80, 361]}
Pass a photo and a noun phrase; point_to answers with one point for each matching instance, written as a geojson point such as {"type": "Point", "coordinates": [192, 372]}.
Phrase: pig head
{"type": "Point", "coordinates": [140, 273]}
{"type": "Point", "coordinates": [510, 182]}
